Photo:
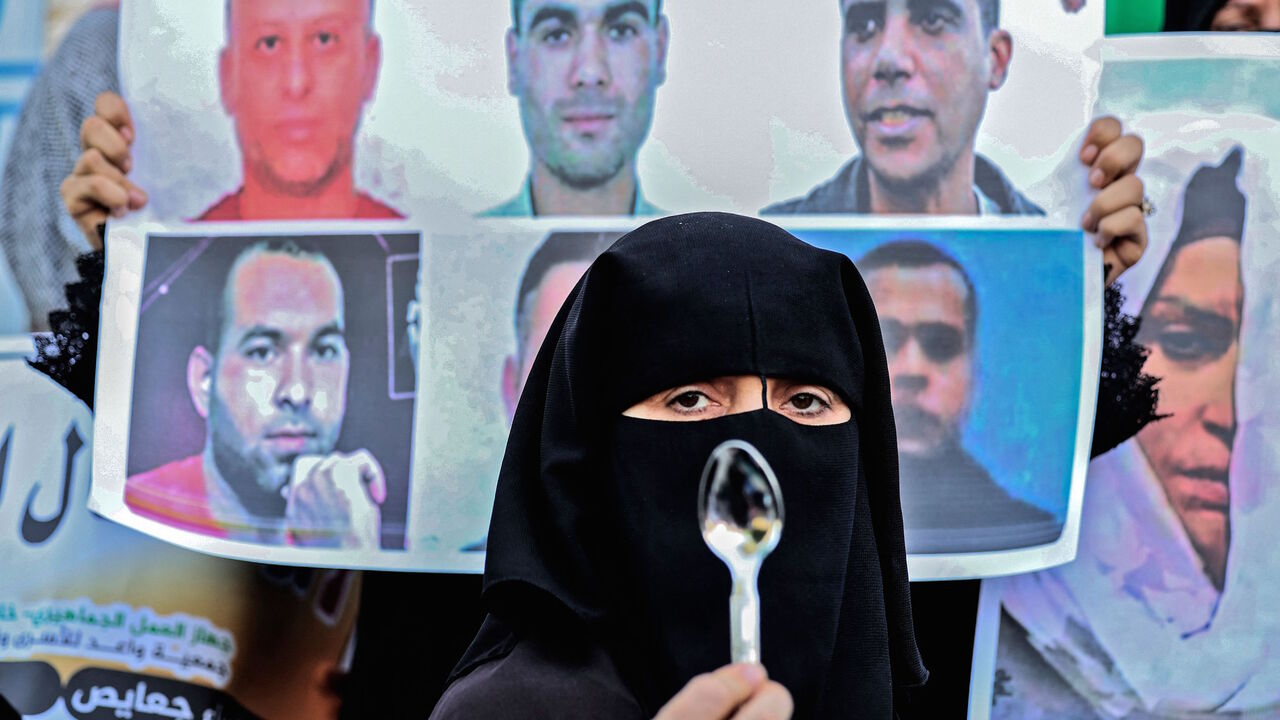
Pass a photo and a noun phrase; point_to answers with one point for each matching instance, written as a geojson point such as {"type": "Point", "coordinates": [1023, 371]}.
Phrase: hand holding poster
{"type": "Point", "coordinates": [1168, 609]}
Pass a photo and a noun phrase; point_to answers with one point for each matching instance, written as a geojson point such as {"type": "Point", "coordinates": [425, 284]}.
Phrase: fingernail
{"type": "Point", "coordinates": [118, 211]}
{"type": "Point", "coordinates": [127, 165]}
{"type": "Point", "coordinates": [1096, 177]}
{"type": "Point", "coordinates": [1089, 153]}
{"type": "Point", "coordinates": [754, 674]}
{"type": "Point", "coordinates": [1086, 222]}
{"type": "Point", "coordinates": [1099, 241]}
{"type": "Point", "coordinates": [137, 198]}
{"type": "Point", "coordinates": [127, 133]}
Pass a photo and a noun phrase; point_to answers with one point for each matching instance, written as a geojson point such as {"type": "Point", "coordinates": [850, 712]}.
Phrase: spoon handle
{"type": "Point", "coordinates": [744, 620]}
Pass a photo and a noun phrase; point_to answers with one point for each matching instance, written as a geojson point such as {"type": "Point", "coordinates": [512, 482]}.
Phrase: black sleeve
{"type": "Point", "coordinates": [411, 630]}
{"type": "Point", "coordinates": [552, 678]}
{"type": "Point", "coordinates": [1126, 396]}
{"type": "Point", "coordinates": [69, 354]}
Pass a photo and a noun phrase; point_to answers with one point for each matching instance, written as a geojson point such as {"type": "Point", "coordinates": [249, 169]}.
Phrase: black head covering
{"type": "Point", "coordinates": [1212, 204]}
{"type": "Point", "coordinates": [1190, 15]}
{"type": "Point", "coordinates": [594, 528]}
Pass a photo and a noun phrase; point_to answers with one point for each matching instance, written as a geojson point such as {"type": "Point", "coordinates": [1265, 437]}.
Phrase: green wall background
{"type": "Point", "coordinates": [1134, 16]}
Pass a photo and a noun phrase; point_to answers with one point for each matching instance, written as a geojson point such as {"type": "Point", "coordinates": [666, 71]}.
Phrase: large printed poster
{"type": "Point", "coordinates": [345, 129]}
{"type": "Point", "coordinates": [406, 107]}
{"type": "Point", "coordinates": [129, 626]}
{"type": "Point", "coordinates": [1169, 609]}
{"type": "Point", "coordinates": [259, 399]}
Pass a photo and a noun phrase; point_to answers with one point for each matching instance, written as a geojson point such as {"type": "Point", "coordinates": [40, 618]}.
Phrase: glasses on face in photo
{"type": "Point", "coordinates": [939, 341]}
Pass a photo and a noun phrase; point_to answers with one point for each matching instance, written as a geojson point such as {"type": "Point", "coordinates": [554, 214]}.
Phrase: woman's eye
{"type": "Point", "coordinates": [803, 401]}
{"type": "Point", "coordinates": [1201, 340]}
{"type": "Point", "coordinates": [807, 403]}
{"type": "Point", "coordinates": [690, 401]}
{"type": "Point", "coordinates": [1187, 346]}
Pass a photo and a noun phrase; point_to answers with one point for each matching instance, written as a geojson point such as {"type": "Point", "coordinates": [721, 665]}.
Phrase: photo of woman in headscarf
{"type": "Point", "coordinates": [1097, 637]}
{"type": "Point", "coordinates": [602, 598]}
{"type": "Point", "coordinates": [1191, 324]}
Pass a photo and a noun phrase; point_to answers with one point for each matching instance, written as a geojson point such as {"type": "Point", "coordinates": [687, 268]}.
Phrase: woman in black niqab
{"type": "Point", "coordinates": [603, 599]}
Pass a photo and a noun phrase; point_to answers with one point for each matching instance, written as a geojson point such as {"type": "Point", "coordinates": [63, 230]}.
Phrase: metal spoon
{"type": "Point", "coordinates": [740, 510]}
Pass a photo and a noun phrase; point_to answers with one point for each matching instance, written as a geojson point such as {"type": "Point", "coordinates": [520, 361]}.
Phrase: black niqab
{"type": "Point", "coordinates": [594, 530]}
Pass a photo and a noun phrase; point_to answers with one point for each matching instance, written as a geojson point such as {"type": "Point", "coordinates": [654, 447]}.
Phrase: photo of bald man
{"type": "Point", "coordinates": [295, 76]}
{"type": "Point", "coordinates": [268, 414]}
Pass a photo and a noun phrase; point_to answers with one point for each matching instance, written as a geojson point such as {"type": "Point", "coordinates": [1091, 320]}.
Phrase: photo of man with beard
{"type": "Point", "coordinates": [270, 382]}
{"type": "Point", "coordinates": [928, 311]}
{"type": "Point", "coordinates": [915, 76]}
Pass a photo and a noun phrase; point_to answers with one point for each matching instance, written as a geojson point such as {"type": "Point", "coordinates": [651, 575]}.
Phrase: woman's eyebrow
{"type": "Point", "coordinates": [1195, 314]}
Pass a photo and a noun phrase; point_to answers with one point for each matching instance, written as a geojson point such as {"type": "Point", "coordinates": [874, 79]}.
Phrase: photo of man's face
{"type": "Point", "coordinates": [546, 302]}
{"type": "Point", "coordinates": [539, 311]}
{"type": "Point", "coordinates": [928, 346]}
{"type": "Point", "coordinates": [585, 73]}
{"type": "Point", "coordinates": [915, 75]}
{"type": "Point", "coordinates": [1192, 326]}
{"type": "Point", "coordinates": [294, 77]}
{"type": "Point", "coordinates": [279, 379]}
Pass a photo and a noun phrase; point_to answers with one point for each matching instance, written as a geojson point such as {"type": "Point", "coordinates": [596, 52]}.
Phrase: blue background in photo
{"type": "Point", "coordinates": [1025, 403]}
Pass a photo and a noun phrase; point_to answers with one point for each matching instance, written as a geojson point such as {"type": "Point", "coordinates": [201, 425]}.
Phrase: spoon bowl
{"type": "Point", "coordinates": [741, 514]}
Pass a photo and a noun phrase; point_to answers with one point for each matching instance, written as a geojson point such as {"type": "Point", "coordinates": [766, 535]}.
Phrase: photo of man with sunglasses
{"type": "Point", "coordinates": [928, 315]}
